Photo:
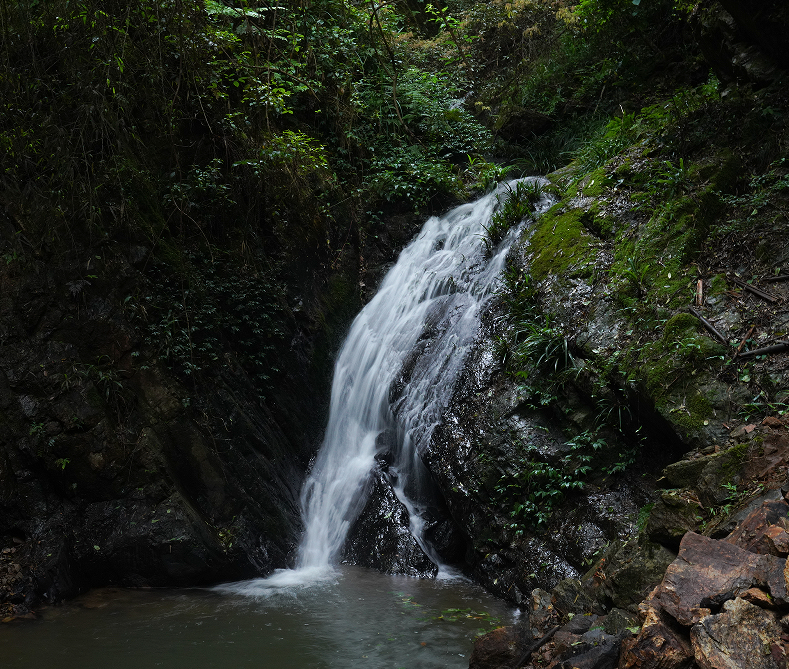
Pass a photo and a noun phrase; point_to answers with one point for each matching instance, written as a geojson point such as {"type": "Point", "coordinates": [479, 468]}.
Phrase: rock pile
{"type": "Point", "coordinates": [722, 603]}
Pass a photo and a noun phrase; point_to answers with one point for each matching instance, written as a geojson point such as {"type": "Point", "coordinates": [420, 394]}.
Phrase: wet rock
{"type": "Point", "coordinates": [380, 537]}
{"type": "Point", "coordinates": [708, 572]}
{"type": "Point", "coordinates": [742, 636]}
{"type": "Point", "coordinates": [502, 647]}
{"type": "Point", "coordinates": [659, 645]}
{"type": "Point", "coordinates": [483, 439]}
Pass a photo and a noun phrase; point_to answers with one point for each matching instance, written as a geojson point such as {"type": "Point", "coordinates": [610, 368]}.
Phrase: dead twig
{"type": "Point", "coordinates": [710, 327]}
{"type": "Point", "coordinates": [772, 299]}
{"type": "Point", "coordinates": [775, 279]}
{"type": "Point", "coordinates": [699, 293]}
{"type": "Point", "coordinates": [744, 339]}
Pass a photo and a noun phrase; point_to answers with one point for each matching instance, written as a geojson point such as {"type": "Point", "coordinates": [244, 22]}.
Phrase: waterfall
{"type": "Point", "coordinates": [442, 280]}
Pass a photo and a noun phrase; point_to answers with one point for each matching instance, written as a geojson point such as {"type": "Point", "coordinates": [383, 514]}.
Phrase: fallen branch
{"type": "Point", "coordinates": [774, 279]}
{"type": "Point", "coordinates": [699, 293]}
{"type": "Point", "coordinates": [759, 293]}
{"type": "Point", "coordinates": [744, 339]}
{"type": "Point", "coordinates": [710, 327]}
{"type": "Point", "coordinates": [780, 347]}
{"type": "Point", "coordinates": [535, 646]}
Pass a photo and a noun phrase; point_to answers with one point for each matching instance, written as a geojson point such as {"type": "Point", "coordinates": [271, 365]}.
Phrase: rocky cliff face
{"type": "Point", "coordinates": [118, 466]}
{"type": "Point", "coordinates": [112, 470]}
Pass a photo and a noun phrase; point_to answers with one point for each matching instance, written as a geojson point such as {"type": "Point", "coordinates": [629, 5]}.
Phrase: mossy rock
{"type": "Point", "coordinates": [623, 577]}
{"type": "Point", "coordinates": [718, 284]}
{"type": "Point", "coordinates": [619, 620]}
{"type": "Point", "coordinates": [672, 516]}
{"type": "Point", "coordinates": [594, 183]}
{"type": "Point", "coordinates": [685, 473]}
{"type": "Point", "coordinates": [559, 242]}
{"type": "Point", "coordinates": [720, 471]}
{"type": "Point", "coordinates": [679, 324]}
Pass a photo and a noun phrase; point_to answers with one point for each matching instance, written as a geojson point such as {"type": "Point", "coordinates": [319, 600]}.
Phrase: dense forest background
{"type": "Point", "coordinates": [196, 197]}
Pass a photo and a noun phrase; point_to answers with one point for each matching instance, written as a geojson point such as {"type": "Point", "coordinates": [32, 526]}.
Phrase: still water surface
{"type": "Point", "coordinates": [357, 618]}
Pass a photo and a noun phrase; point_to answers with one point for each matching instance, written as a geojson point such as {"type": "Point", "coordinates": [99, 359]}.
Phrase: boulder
{"type": "Point", "coordinates": [764, 530]}
{"type": "Point", "coordinates": [743, 636]}
{"type": "Point", "coordinates": [594, 650]}
{"type": "Point", "coordinates": [502, 647]}
{"type": "Point", "coordinates": [708, 572]}
{"type": "Point", "coordinates": [631, 573]}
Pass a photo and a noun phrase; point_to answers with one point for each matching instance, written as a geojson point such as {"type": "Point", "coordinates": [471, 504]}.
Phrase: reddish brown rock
{"type": "Point", "coordinates": [743, 636]}
{"type": "Point", "coordinates": [759, 597]}
{"type": "Point", "coordinates": [764, 529]}
{"type": "Point", "coordinates": [773, 421]}
{"type": "Point", "coordinates": [767, 461]}
{"type": "Point", "coordinates": [708, 572]}
{"type": "Point", "coordinates": [659, 645]}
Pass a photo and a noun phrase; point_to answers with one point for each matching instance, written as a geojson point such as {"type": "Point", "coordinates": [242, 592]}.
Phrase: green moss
{"type": "Point", "coordinates": [718, 284]}
{"type": "Point", "coordinates": [696, 410]}
{"type": "Point", "coordinates": [679, 324]}
{"type": "Point", "coordinates": [731, 462]}
{"type": "Point", "coordinates": [559, 242]}
{"type": "Point", "coordinates": [595, 182]}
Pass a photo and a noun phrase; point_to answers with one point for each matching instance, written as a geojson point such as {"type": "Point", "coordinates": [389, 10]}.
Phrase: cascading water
{"type": "Point", "coordinates": [442, 280]}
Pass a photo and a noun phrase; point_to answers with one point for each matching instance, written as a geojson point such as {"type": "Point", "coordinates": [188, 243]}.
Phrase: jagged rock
{"type": "Point", "coordinates": [501, 648]}
{"type": "Point", "coordinates": [659, 645]}
{"type": "Point", "coordinates": [732, 522]}
{"type": "Point", "coordinates": [743, 636]}
{"type": "Point", "coordinates": [759, 597]}
{"type": "Point", "coordinates": [380, 537]}
{"type": "Point", "coordinates": [768, 459]}
{"type": "Point", "coordinates": [764, 530]}
{"type": "Point", "coordinates": [708, 572]}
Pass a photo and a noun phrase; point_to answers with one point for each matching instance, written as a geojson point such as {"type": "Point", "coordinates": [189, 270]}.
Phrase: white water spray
{"type": "Point", "coordinates": [443, 278]}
